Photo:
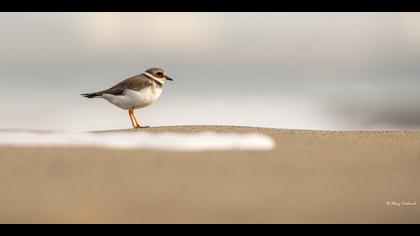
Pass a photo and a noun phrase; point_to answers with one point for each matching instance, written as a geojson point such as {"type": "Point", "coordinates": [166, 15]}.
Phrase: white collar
{"type": "Point", "coordinates": [160, 80]}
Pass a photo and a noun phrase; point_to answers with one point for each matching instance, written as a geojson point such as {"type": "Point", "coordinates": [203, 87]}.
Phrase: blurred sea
{"type": "Point", "coordinates": [339, 71]}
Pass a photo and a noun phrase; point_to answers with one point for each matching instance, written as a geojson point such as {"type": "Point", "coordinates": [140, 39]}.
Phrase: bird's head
{"type": "Point", "coordinates": [158, 74]}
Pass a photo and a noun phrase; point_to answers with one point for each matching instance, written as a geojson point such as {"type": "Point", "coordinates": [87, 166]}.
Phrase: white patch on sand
{"type": "Point", "coordinates": [204, 141]}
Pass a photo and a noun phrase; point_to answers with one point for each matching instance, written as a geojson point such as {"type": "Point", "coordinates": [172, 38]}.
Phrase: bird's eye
{"type": "Point", "coordinates": [160, 73]}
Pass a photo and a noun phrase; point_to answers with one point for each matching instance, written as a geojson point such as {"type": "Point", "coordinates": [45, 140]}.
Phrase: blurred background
{"type": "Point", "coordinates": [339, 71]}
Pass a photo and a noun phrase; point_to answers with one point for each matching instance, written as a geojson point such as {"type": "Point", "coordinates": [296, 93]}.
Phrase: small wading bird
{"type": "Point", "coordinates": [135, 92]}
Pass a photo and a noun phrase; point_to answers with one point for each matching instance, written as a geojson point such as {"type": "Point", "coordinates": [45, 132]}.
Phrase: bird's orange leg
{"type": "Point", "coordinates": [137, 123]}
{"type": "Point", "coordinates": [130, 113]}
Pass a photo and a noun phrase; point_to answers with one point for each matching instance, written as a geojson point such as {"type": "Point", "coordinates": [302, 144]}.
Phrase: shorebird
{"type": "Point", "coordinates": [135, 92]}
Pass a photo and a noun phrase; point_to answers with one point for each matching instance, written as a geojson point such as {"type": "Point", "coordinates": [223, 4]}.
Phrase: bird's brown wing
{"type": "Point", "coordinates": [135, 83]}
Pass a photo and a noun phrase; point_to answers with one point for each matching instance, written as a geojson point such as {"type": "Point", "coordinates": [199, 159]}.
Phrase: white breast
{"type": "Point", "coordinates": [134, 99]}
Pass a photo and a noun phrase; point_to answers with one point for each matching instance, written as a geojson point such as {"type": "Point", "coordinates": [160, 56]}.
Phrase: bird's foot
{"type": "Point", "coordinates": [142, 127]}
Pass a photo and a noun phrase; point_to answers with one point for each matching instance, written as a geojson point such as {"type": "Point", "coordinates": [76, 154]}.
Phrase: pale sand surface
{"type": "Point", "coordinates": [310, 177]}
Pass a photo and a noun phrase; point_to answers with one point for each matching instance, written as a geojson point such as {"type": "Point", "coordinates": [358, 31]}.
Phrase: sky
{"type": "Point", "coordinates": [328, 71]}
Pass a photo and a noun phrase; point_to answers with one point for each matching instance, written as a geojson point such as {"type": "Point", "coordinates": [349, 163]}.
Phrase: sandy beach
{"type": "Point", "coordinates": [310, 177]}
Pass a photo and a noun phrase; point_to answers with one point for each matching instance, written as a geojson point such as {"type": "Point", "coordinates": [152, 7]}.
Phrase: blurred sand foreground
{"type": "Point", "coordinates": [310, 177]}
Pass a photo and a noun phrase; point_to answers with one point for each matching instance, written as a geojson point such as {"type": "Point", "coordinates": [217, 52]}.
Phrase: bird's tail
{"type": "Point", "coordinates": [91, 95]}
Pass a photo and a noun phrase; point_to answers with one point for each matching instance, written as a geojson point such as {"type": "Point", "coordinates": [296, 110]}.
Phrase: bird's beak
{"type": "Point", "coordinates": [169, 78]}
